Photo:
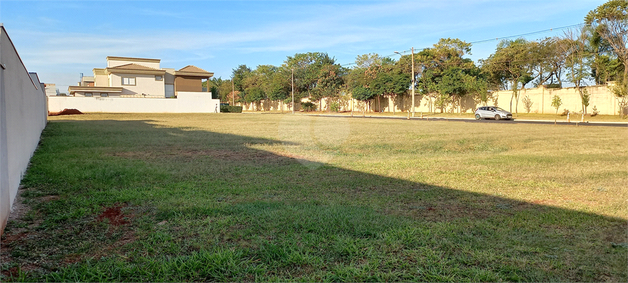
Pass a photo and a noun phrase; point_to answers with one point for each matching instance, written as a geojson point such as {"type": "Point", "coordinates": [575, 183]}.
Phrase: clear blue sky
{"type": "Point", "coordinates": [60, 39]}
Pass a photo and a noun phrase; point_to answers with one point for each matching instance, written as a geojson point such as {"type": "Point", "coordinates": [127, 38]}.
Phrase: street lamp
{"type": "Point", "coordinates": [412, 79]}
{"type": "Point", "coordinates": [292, 90]}
{"type": "Point", "coordinates": [232, 91]}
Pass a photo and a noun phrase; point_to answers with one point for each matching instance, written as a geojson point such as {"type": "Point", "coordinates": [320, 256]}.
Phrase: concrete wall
{"type": "Point", "coordinates": [186, 102]}
{"type": "Point", "coordinates": [23, 116]}
{"type": "Point", "coordinates": [601, 98]}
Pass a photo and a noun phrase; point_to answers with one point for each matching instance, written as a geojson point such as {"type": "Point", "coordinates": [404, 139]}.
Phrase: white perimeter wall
{"type": "Point", "coordinates": [186, 102]}
{"type": "Point", "coordinates": [23, 116]}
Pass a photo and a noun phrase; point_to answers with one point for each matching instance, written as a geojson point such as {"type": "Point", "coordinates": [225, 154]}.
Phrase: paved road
{"type": "Point", "coordinates": [471, 120]}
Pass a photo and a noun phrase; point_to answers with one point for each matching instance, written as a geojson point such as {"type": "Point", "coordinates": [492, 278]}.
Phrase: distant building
{"type": "Point", "coordinates": [51, 89]}
{"type": "Point", "coordinates": [139, 77]}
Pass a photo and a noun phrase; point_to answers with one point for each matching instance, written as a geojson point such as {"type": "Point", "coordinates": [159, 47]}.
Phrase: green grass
{"type": "Point", "coordinates": [233, 197]}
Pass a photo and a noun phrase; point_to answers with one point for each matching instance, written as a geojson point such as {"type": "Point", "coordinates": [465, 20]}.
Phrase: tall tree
{"type": "Point", "coordinates": [238, 75]}
{"type": "Point", "coordinates": [307, 67]}
{"type": "Point", "coordinates": [511, 62]}
{"type": "Point", "coordinates": [330, 80]}
{"type": "Point", "coordinates": [391, 82]}
{"type": "Point", "coordinates": [610, 21]}
{"type": "Point", "coordinates": [577, 63]}
{"type": "Point", "coordinates": [443, 71]}
{"type": "Point", "coordinates": [362, 94]}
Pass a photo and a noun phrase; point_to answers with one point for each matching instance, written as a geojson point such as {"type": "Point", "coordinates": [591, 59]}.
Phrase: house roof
{"type": "Point", "coordinates": [193, 71]}
{"type": "Point", "coordinates": [133, 68]}
{"type": "Point", "coordinates": [117, 58]}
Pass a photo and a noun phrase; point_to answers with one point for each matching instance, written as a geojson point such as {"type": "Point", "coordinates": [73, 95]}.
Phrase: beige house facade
{"type": "Point", "coordinates": [139, 77]}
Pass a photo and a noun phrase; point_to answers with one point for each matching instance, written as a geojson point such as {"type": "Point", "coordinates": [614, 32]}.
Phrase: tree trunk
{"type": "Point", "coordinates": [511, 98]}
{"type": "Point", "coordinates": [517, 103]}
{"type": "Point", "coordinates": [393, 105]}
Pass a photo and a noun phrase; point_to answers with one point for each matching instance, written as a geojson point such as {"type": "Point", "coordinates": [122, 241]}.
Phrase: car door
{"type": "Point", "coordinates": [483, 111]}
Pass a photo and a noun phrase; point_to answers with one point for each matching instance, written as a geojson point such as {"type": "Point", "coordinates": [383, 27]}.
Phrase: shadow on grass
{"type": "Point", "coordinates": [202, 206]}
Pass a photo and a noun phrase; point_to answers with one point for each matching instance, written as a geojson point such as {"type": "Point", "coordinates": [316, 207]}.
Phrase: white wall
{"type": "Point", "coordinates": [186, 102]}
{"type": "Point", "coordinates": [23, 116]}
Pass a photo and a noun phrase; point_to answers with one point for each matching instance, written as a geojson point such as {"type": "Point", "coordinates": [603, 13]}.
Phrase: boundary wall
{"type": "Point", "coordinates": [23, 116]}
{"type": "Point", "coordinates": [601, 98]}
{"type": "Point", "coordinates": [186, 102]}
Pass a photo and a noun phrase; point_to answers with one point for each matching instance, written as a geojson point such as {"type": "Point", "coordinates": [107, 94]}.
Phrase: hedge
{"type": "Point", "coordinates": [230, 109]}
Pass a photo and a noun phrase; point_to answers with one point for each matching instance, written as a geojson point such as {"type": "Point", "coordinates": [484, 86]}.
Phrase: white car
{"type": "Point", "coordinates": [492, 112]}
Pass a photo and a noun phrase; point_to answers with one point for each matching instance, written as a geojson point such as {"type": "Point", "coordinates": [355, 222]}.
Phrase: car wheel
{"type": "Point", "coordinates": [497, 117]}
{"type": "Point", "coordinates": [477, 117]}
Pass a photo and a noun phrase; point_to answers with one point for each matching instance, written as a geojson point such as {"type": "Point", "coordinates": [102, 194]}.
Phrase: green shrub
{"type": "Point", "coordinates": [335, 106]}
{"type": "Point", "coordinates": [308, 106]}
{"type": "Point", "coordinates": [230, 109]}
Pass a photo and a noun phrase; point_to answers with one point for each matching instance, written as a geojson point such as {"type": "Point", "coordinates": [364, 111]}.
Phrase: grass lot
{"type": "Point", "coordinates": [233, 197]}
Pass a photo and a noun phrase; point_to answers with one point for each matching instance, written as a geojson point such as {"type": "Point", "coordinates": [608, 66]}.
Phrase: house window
{"type": "Point", "coordinates": [159, 78]}
{"type": "Point", "coordinates": [104, 94]}
{"type": "Point", "coordinates": [89, 94]}
{"type": "Point", "coordinates": [128, 81]}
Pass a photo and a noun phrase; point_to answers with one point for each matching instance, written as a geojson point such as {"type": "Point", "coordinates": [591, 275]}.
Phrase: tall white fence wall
{"type": "Point", "coordinates": [23, 116]}
{"type": "Point", "coordinates": [600, 97]}
{"type": "Point", "coordinates": [186, 102]}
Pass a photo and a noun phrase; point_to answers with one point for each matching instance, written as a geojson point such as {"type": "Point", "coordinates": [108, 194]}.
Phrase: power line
{"type": "Point", "coordinates": [486, 40]}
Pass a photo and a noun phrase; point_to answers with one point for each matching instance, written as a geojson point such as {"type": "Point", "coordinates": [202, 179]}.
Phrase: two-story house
{"type": "Point", "coordinates": [139, 77]}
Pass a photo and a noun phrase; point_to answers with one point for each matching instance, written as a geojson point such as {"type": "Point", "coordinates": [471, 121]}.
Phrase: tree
{"type": "Point", "coordinates": [364, 74]}
{"type": "Point", "coordinates": [330, 79]}
{"type": "Point", "coordinates": [362, 94]}
{"type": "Point", "coordinates": [556, 103]}
{"type": "Point", "coordinates": [444, 73]}
{"type": "Point", "coordinates": [307, 67]}
{"type": "Point", "coordinates": [254, 94]}
{"type": "Point", "coordinates": [280, 87]}
{"type": "Point", "coordinates": [577, 64]}
{"type": "Point", "coordinates": [610, 21]}
{"type": "Point", "coordinates": [511, 63]}
{"type": "Point", "coordinates": [239, 74]}
{"type": "Point", "coordinates": [391, 82]}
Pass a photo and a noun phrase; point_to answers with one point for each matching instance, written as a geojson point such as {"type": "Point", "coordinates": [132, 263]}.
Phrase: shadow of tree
{"type": "Point", "coordinates": [212, 206]}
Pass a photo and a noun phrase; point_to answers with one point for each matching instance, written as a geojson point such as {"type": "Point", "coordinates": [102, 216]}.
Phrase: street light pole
{"type": "Point", "coordinates": [292, 91]}
{"type": "Point", "coordinates": [412, 81]}
{"type": "Point", "coordinates": [232, 91]}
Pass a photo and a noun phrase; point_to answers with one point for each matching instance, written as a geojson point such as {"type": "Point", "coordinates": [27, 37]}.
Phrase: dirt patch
{"type": "Point", "coordinates": [12, 272]}
{"type": "Point", "coordinates": [65, 112]}
{"type": "Point", "coordinates": [12, 238]}
{"type": "Point", "coordinates": [49, 198]}
{"type": "Point", "coordinates": [114, 215]}
{"type": "Point", "coordinates": [19, 209]}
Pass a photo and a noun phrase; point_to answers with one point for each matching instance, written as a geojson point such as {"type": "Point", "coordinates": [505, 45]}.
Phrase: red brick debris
{"type": "Point", "coordinates": [65, 112]}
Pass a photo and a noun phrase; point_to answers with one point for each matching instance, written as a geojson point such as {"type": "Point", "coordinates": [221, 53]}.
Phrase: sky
{"type": "Point", "coordinates": [61, 39]}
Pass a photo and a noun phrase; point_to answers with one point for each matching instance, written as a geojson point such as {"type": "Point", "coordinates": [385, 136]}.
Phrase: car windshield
{"type": "Point", "coordinates": [500, 109]}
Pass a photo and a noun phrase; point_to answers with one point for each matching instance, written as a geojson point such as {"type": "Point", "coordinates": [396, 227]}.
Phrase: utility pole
{"type": "Point", "coordinates": [293, 91]}
{"type": "Point", "coordinates": [233, 91]}
{"type": "Point", "coordinates": [412, 81]}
